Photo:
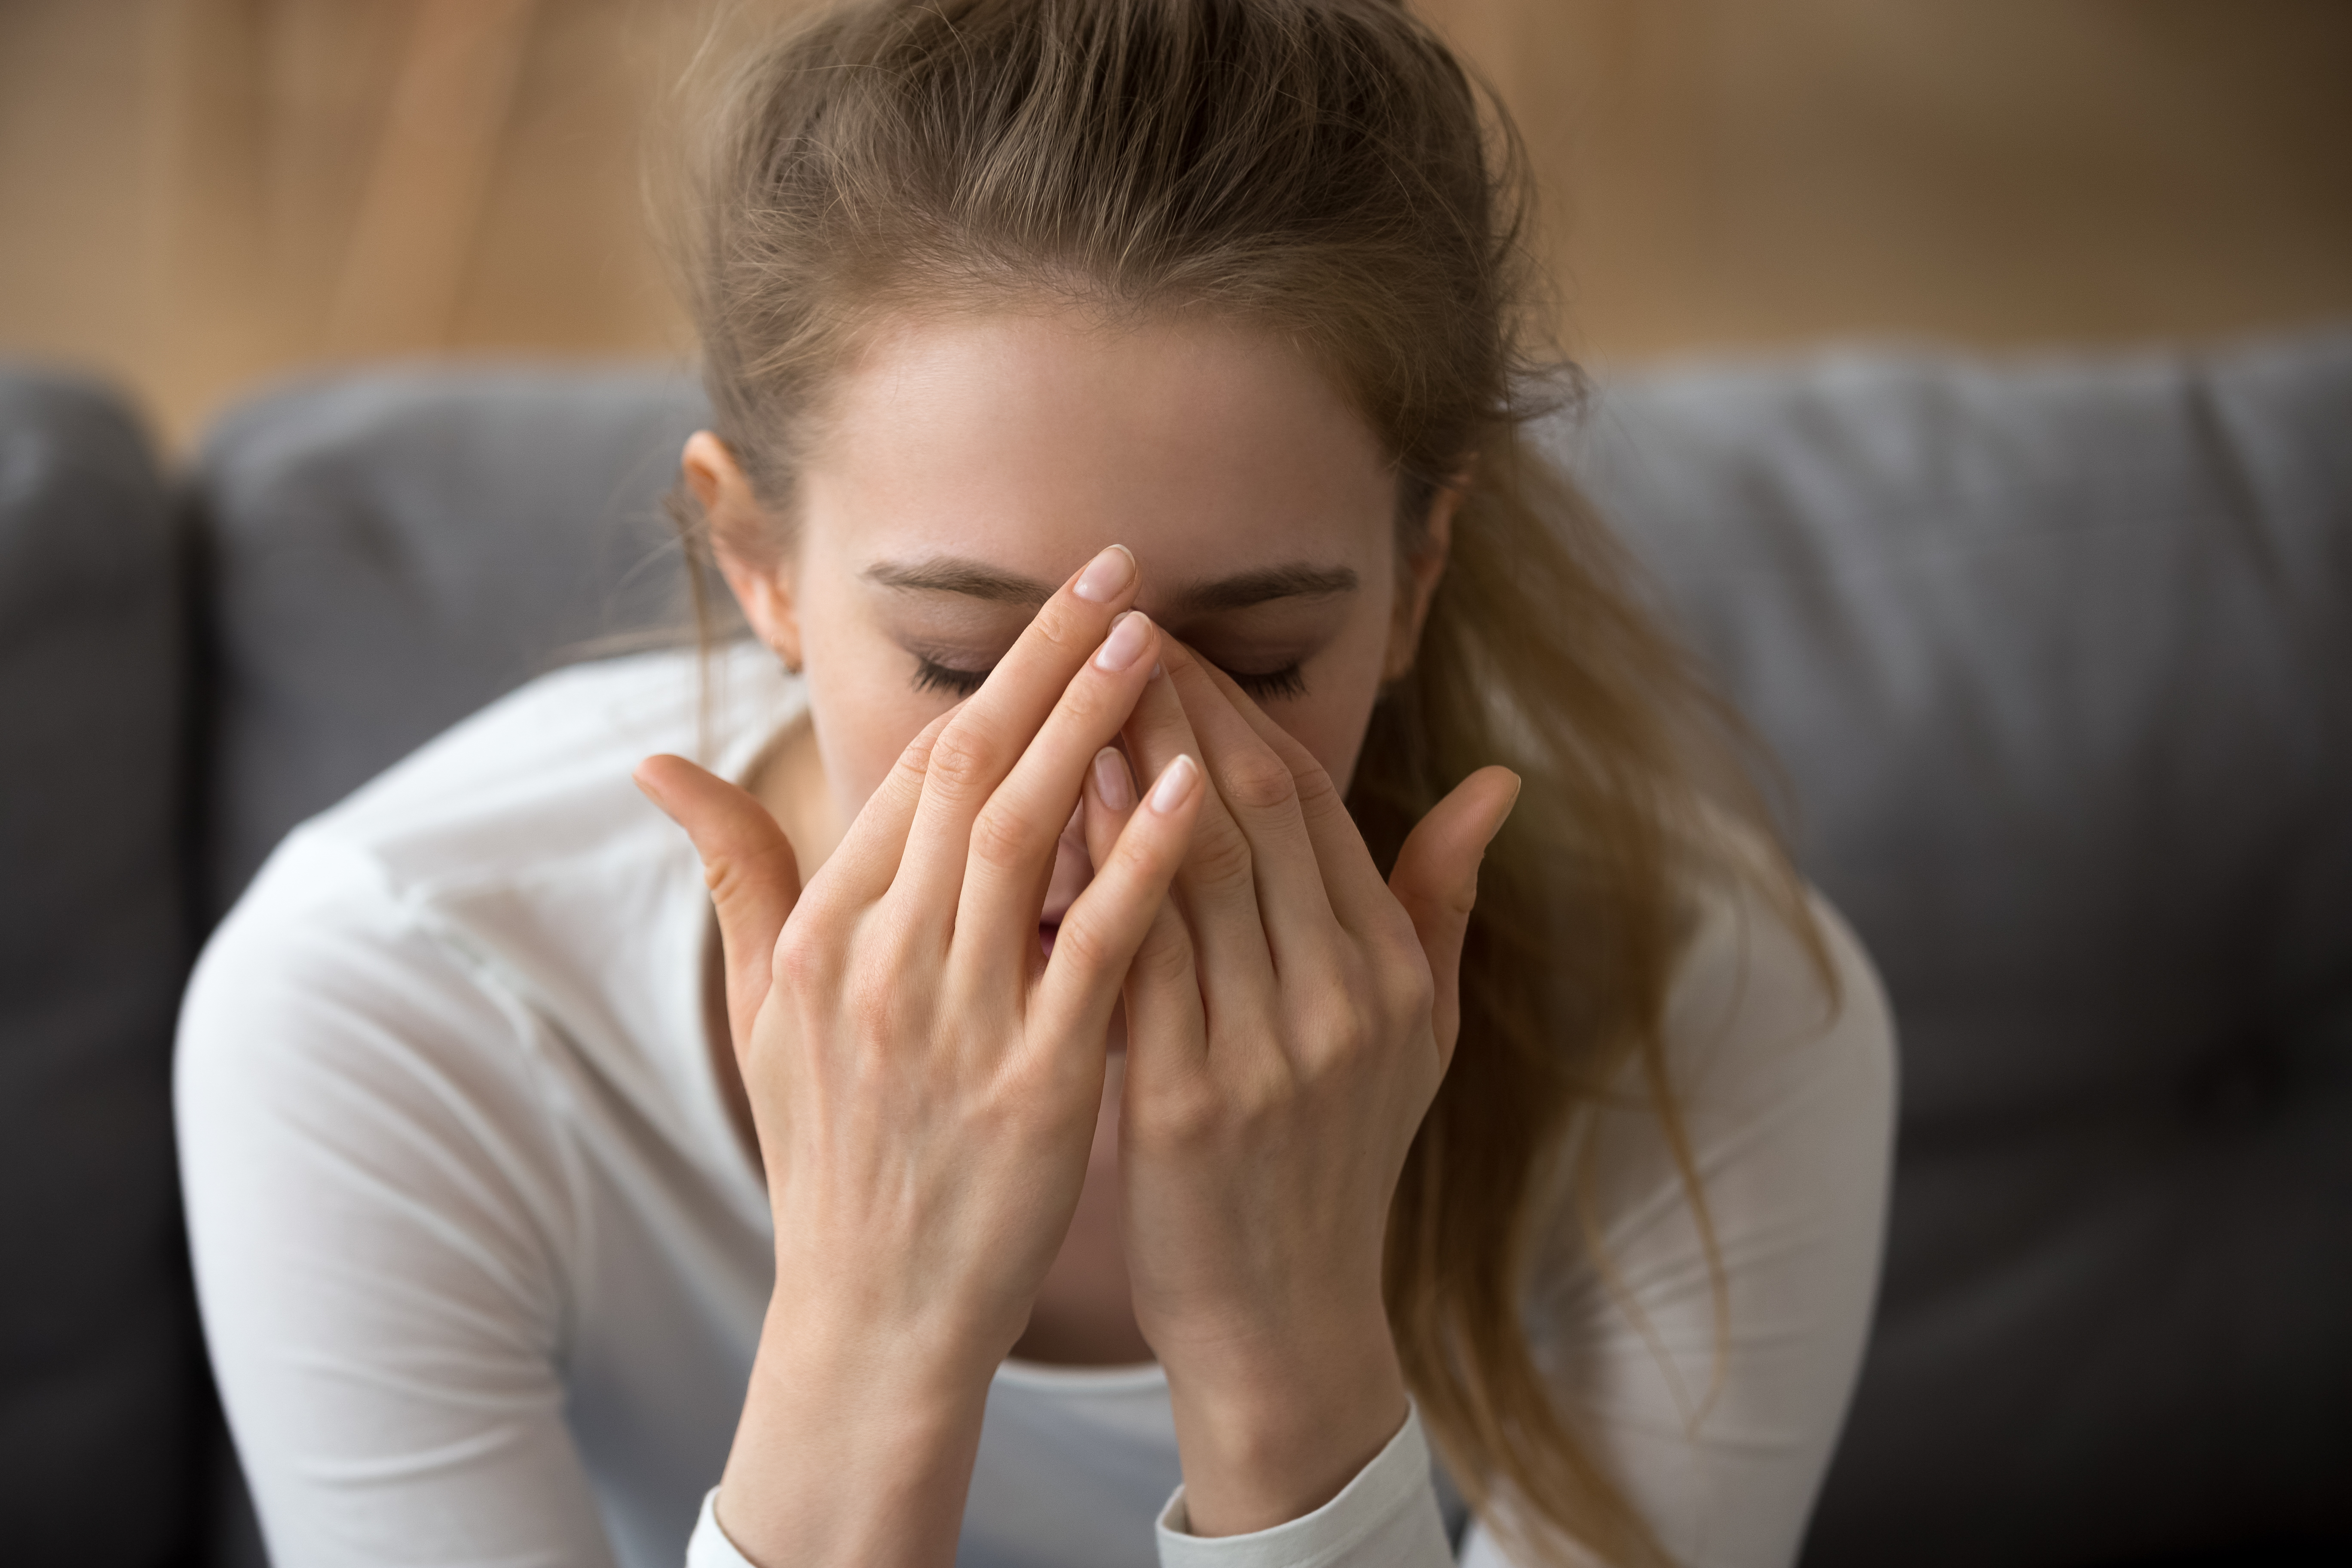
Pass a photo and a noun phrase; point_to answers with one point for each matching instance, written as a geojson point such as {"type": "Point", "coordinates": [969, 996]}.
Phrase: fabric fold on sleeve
{"type": "Point", "coordinates": [1387, 1517]}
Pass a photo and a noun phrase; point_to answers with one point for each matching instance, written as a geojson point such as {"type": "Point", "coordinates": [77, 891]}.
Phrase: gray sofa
{"type": "Point", "coordinates": [2057, 657]}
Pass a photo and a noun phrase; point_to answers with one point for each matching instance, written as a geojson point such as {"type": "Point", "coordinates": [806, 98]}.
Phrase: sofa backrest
{"type": "Point", "coordinates": [382, 553]}
{"type": "Point", "coordinates": [2058, 659]}
{"type": "Point", "coordinates": [100, 1380]}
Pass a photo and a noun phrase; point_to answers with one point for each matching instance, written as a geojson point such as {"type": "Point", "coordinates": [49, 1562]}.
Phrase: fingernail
{"type": "Point", "coordinates": [1111, 782]}
{"type": "Point", "coordinates": [1175, 784]}
{"type": "Point", "coordinates": [1105, 575]}
{"type": "Point", "coordinates": [1128, 634]}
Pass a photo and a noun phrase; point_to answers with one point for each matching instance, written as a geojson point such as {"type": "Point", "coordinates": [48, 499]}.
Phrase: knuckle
{"type": "Point", "coordinates": [1087, 944]}
{"type": "Point", "coordinates": [1317, 795]}
{"type": "Point", "coordinates": [1221, 856]}
{"type": "Point", "coordinates": [1187, 1112]}
{"type": "Point", "coordinates": [1258, 780]}
{"type": "Point", "coordinates": [801, 962]}
{"type": "Point", "coordinates": [1064, 625]}
{"type": "Point", "coordinates": [722, 874]}
{"type": "Point", "coordinates": [1140, 859]}
{"type": "Point", "coordinates": [961, 762]}
{"type": "Point", "coordinates": [1167, 962]}
{"type": "Point", "coordinates": [1004, 838]}
{"type": "Point", "coordinates": [730, 875]}
{"type": "Point", "coordinates": [1342, 1031]}
{"type": "Point", "coordinates": [1415, 991]}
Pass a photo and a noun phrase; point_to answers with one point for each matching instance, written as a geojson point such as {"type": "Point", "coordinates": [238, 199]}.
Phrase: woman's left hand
{"type": "Point", "coordinates": [1289, 1018]}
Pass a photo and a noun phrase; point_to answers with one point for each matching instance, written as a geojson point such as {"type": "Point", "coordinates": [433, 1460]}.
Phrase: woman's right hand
{"type": "Point", "coordinates": [925, 1085]}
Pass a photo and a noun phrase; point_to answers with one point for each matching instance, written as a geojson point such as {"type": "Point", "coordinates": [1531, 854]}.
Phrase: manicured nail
{"type": "Point", "coordinates": [1175, 784]}
{"type": "Point", "coordinates": [1105, 575]}
{"type": "Point", "coordinates": [1128, 634]}
{"type": "Point", "coordinates": [1111, 782]}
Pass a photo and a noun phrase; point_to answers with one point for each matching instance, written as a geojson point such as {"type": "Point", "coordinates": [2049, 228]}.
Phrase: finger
{"type": "Point", "coordinates": [747, 862]}
{"type": "Point", "coordinates": [861, 868]}
{"type": "Point", "coordinates": [1110, 800]}
{"type": "Point", "coordinates": [1261, 791]}
{"type": "Point", "coordinates": [1016, 835]}
{"type": "Point", "coordinates": [1101, 935]}
{"type": "Point", "coordinates": [990, 729]}
{"type": "Point", "coordinates": [1162, 990]}
{"type": "Point", "coordinates": [1216, 887]}
{"type": "Point", "coordinates": [1351, 881]}
{"type": "Point", "coordinates": [1437, 880]}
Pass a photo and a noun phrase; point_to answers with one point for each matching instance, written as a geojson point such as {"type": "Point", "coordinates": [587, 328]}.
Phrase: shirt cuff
{"type": "Point", "coordinates": [1385, 1517]}
{"type": "Point", "coordinates": [708, 1546]}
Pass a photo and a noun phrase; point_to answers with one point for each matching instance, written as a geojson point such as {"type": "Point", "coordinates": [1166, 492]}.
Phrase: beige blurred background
{"type": "Point", "coordinates": [198, 193]}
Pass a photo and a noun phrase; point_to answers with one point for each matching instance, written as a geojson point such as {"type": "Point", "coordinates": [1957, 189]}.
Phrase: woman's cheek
{"type": "Point", "coordinates": [866, 716]}
{"type": "Point", "coordinates": [1331, 724]}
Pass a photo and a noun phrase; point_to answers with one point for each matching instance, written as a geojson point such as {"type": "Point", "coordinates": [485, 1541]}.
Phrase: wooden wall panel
{"type": "Point", "coordinates": [197, 192]}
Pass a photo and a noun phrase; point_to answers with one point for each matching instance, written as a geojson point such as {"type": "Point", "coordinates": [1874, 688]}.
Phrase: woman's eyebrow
{"type": "Point", "coordinates": [954, 574]}
{"type": "Point", "coordinates": [1239, 591]}
{"type": "Point", "coordinates": [978, 580]}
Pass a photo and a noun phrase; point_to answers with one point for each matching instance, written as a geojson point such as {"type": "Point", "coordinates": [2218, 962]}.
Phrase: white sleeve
{"type": "Point", "coordinates": [1791, 1115]}
{"type": "Point", "coordinates": [378, 1211]}
{"type": "Point", "coordinates": [710, 1547]}
{"type": "Point", "coordinates": [1385, 1517]}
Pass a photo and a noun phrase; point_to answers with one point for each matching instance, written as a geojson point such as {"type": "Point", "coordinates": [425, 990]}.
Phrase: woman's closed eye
{"type": "Point", "coordinates": [1290, 681]}
{"type": "Point", "coordinates": [930, 675]}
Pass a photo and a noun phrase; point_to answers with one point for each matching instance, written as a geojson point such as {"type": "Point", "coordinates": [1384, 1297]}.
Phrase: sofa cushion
{"type": "Point", "coordinates": [384, 552]}
{"type": "Point", "coordinates": [2058, 659]}
{"type": "Point", "coordinates": [100, 1374]}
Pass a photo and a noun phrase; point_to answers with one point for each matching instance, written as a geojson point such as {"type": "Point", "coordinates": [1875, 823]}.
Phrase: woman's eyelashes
{"type": "Point", "coordinates": [932, 676]}
{"type": "Point", "coordinates": [1290, 681]}
{"type": "Point", "coordinates": [1282, 684]}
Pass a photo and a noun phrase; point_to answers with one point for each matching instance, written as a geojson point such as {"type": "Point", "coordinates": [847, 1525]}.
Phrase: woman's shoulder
{"type": "Point", "coordinates": [544, 772]}
{"type": "Point", "coordinates": [511, 861]}
{"type": "Point", "coordinates": [1704, 1292]}
{"type": "Point", "coordinates": [1773, 989]}
{"type": "Point", "coordinates": [1776, 1048]}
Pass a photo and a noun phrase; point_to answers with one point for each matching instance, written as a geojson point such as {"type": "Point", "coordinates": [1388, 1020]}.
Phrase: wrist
{"type": "Point", "coordinates": [857, 1442]}
{"type": "Point", "coordinates": [1269, 1433]}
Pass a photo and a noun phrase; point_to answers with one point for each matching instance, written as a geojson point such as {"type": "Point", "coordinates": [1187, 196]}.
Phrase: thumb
{"type": "Point", "coordinates": [1437, 880]}
{"type": "Point", "coordinates": [748, 863]}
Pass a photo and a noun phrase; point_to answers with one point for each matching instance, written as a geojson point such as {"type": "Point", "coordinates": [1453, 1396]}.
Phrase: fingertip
{"type": "Point", "coordinates": [1177, 784]}
{"type": "Point", "coordinates": [646, 776]}
{"type": "Point", "coordinates": [1110, 574]}
{"type": "Point", "coordinates": [1113, 785]}
{"type": "Point", "coordinates": [1510, 799]}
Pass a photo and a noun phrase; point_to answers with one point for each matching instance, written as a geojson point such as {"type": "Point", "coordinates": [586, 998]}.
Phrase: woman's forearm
{"type": "Point", "coordinates": [855, 1446]}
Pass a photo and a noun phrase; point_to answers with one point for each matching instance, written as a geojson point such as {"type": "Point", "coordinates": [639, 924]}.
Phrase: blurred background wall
{"type": "Point", "coordinates": [196, 194]}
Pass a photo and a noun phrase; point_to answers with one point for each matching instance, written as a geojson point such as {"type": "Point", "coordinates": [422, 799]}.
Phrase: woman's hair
{"type": "Point", "coordinates": [1321, 169]}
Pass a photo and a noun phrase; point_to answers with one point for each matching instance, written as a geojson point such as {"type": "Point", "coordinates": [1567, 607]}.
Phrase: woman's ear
{"type": "Point", "coordinates": [1418, 576]}
{"type": "Point", "coordinates": [740, 527]}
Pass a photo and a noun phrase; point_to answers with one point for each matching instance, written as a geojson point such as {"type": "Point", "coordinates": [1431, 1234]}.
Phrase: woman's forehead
{"type": "Point", "coordinates": [1019, 438]}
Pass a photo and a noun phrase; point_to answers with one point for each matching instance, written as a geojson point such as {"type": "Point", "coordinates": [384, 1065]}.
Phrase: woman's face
{"type": "Point", "coordinates": [971, 464]}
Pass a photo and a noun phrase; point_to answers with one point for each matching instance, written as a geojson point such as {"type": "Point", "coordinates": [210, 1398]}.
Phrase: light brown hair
{"type": "Point", "coordinates": [1327, 170]}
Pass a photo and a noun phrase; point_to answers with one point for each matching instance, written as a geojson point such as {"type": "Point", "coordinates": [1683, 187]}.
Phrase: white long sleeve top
{"type": "Point", "coordinates": [483, 1265]}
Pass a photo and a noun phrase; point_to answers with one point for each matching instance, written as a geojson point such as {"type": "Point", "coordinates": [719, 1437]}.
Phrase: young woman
{"type": "Point", "coordinates": [1120, 1074]}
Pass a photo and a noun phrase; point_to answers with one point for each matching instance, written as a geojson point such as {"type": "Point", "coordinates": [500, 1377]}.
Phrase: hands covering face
{"type": "Point", "coordinates": [925, 1083]}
